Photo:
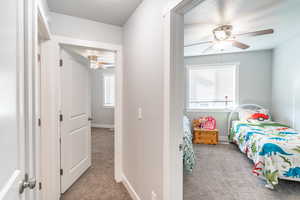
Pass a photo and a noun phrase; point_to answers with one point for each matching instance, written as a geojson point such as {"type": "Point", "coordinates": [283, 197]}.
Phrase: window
{"type": "Point", "coordinates": [109, 90]}
{"type": "Point", "coordinates": [212, 86]}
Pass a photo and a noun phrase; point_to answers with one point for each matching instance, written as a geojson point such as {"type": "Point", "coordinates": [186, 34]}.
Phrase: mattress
{"type": "Point", "coordinates": [273, 147]}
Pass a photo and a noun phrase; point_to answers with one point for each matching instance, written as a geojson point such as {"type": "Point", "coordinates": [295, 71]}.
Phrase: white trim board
{"type": "Point", "coordinates": [223, 138]}
{"type": "Point", "coordinates": [129, 188]}
{"type": "Point", "coordinates": [173, 96]}
{"type": "Point", "coordinates": [95, 125]}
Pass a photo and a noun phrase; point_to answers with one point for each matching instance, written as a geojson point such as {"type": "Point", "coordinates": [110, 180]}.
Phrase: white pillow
{"type": "Point", "coordinates": [247, 115]}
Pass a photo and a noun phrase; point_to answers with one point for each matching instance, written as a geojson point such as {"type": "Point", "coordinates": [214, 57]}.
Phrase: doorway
{"type": "Point", "coordinates": [71, 98]}
{"type": "Point", "coordinates": [87, 124]}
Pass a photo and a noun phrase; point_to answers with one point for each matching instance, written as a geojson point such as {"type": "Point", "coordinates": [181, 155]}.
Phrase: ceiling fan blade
{"type": "Point", "coordinates": [207, 49]}
{"type": "Point", "coordinates": [240, 45]}
{"type": "Point", "coordinates": [104, 63]}
{"type": "Point", "coordinates": [198, 43]}
{"type": "Point", "coordinates": [256, 33]}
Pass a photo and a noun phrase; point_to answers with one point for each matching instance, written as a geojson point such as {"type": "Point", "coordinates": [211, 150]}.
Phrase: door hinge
{"type": "Point", "coordinates": [181, 147]}
{"type": "Point", "coordinates": [61, 118]}
{"type": "Point", "coordinates": [39, 122]}
{"type": "Point", "coordinates": [61, 62]}
{"type": "Point", "coordinates": [61, 172]}
{"type": "Point", "coordinates": [39, 57]}
{"type": "Point", "coordinates": [40, 185]}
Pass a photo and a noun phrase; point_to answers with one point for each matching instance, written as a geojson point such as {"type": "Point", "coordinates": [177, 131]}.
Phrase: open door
{"type": "Point", "coordinates": [12, 121]}
{"type": "Point", "coordinates": [75, 124]}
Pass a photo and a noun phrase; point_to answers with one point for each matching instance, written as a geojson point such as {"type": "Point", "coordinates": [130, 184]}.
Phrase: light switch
{"type": "Point", "coordinates": [154, 196]}
{"type": "Point", "coordinates": [140, 113]}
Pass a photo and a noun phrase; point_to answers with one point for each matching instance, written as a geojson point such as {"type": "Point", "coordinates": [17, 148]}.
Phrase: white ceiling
{"type": "Point", "coordinates": [115, 12]}
{"type": "Point", "coordinates": [245, 16]}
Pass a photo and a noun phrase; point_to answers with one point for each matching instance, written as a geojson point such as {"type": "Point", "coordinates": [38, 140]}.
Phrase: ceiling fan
{"type": "Point", "coordinates": [223, 37]}
{"type": "Point", "coordinates": [96, 64]}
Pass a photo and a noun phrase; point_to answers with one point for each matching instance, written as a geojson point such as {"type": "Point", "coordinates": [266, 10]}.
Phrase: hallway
{"type": "Point", "coordinates": [98, 183]}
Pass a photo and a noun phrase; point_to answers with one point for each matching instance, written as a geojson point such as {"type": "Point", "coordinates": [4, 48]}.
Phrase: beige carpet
{"type": "Point", "coordinates": [97, 183]}
{"type": "Point", "coordinates": [224, 173]}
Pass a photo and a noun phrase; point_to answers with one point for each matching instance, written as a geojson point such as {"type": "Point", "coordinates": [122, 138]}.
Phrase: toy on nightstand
{"type": "Point", "coordinates": [205, 131]}
{"type": "Point", "coordinates": [207, 123]}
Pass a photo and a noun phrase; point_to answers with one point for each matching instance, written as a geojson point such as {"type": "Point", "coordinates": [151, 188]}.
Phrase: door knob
{"type": "Point", "coordinates": [90, 119]}
{"type": "Point", "coordinates": [26, 183]}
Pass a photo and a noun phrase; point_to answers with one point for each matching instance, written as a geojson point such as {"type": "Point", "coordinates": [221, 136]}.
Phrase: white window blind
{"type": "Point", "coordinates": [211, 87]}
{"type": "Point", "coordinates": [109, 90]}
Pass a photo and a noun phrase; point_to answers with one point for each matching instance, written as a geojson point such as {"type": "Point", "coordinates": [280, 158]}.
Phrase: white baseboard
{"type": "Point", "coordinates": [223, 138]}
{"type": "Point", "coordinates": [94, 125]}
{"type": "Point", "coordinates": [129, 188]}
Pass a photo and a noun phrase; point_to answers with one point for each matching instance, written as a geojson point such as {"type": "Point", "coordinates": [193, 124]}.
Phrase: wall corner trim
{"type": "Point", "coordinates": [129, 188]}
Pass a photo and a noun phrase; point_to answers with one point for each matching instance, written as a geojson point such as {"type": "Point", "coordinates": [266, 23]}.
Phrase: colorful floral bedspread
{"type": "Point", "coordinates": [273, 147]}
{"type": "Point", "coordinates": [188, 151]}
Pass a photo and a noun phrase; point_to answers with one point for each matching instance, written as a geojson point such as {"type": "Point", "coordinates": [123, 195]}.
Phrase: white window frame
{"type": "Point", "coordinates": [208, 66]}
{"type": "Point", "coordinates": [104, 90]}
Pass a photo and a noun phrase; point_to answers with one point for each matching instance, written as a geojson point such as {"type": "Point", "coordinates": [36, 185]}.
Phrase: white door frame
{"type": "Point", "coordinates": [36, 24]}
{"type": "Point", "coordinates": [174, 96]}
{"type": "Point", "coordinates": [51, 109]}
{"type": "Point", "coordinates": [41, 35]}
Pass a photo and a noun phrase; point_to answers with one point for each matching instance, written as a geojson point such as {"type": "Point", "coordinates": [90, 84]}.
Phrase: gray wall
{"type": "Point", "coordinates": [84, 29]}
{"type": "Point", "coordinates": [255, 79]}
{"type": "Point", "coordinates": [101, 115]}
{"type": "Point", "coordinates": [286, 83]}
{"type": "Point", "coordinates": [143, 87]}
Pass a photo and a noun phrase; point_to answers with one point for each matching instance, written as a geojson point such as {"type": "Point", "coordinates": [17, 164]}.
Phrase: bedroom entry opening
{"type": "Point", "coordinates": [88, 100]}
{"type": "Point", "coordinates": [87, 118]}
{"type": "Point", "coordinates": [240, 100]}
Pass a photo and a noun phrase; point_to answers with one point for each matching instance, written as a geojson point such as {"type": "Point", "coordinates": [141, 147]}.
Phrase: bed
{"type": "Point", "coordinates": [188, 151]}
{"type": "Point", "coordinates": [273, 147]}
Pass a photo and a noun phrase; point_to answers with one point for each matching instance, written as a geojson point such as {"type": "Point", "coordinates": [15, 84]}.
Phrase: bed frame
{"type": "Point", "coordinates": [237, 109]}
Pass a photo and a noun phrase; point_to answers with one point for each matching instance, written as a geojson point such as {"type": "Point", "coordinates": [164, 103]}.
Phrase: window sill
{"type": "Point", "coordinates": [108, 107]}
{"type": "Point", "coordinates": [210, 110]}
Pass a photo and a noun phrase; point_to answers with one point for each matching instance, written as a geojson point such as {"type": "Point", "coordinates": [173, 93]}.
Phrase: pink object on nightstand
{"type": "Point", "coordinates": [209, 123]}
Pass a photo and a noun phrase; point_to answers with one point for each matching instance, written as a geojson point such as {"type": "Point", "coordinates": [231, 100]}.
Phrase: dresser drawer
{"type": "Point", "coordinates": [205, 137]}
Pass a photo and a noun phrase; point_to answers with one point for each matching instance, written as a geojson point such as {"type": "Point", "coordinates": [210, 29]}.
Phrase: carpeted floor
{"type": "Point", "coordinates": [98, 183]}
{"type": "Point", "coordinates": [224, 173]}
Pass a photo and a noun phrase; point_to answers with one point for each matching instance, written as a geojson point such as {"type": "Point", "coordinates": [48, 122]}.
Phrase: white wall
{"type": "Point", "coordinates": [101, 115]}
{"type": "Point", "coordinates": [143, 87]}
{"type": "Point", "coordinates": [44, 6]}
{"type": "Point", "coordinates": [255, 79]}
{"type": "Point", "coordinates": [286, 83]}
{"type": "Point", "coordinates": [84, 29]}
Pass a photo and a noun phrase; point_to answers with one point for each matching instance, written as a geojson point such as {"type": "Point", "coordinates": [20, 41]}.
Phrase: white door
{"type": "Point", "coordinates": [12, 134]}
{"type": "Point", "coordinates": [75, 125]}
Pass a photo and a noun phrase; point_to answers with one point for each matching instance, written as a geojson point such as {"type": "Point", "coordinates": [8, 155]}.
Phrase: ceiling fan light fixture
{"type": "Point", "coordinates": [94, 64]}
{"type": "Point", "coordinates": [221, 35]}
{"type": "Point", "coordinates": [222, 32]}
